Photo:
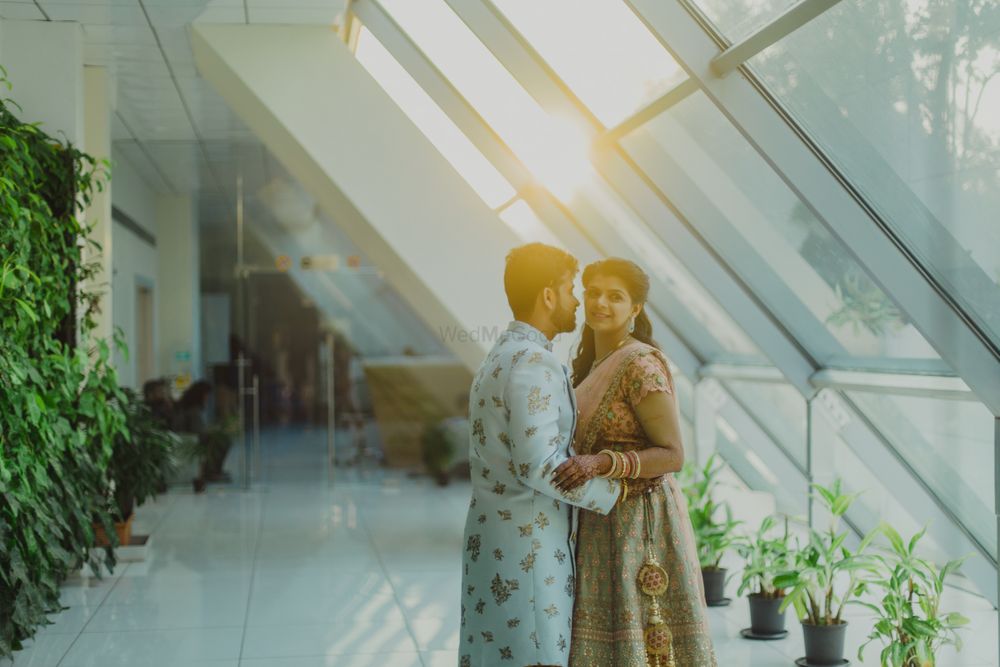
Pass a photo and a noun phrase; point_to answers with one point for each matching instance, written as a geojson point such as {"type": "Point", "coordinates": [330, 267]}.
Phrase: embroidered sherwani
{"type": "Point", "coordinates": [518, 565]}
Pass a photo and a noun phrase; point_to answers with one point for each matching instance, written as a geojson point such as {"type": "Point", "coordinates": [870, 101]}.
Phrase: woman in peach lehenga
{"type": "Point", "coordinates": [639, 598]}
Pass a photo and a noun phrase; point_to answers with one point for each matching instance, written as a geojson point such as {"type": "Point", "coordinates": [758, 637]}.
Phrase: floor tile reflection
{"type": "Point", "coordinates": [299, 571]}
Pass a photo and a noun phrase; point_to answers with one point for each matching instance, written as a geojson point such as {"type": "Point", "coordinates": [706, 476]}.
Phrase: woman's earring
{"type": "Point", "coordinates": [631, 325]}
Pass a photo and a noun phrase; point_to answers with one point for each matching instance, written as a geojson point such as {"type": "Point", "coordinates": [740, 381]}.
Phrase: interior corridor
{"type": "Point", "coordinates": [363, 571]}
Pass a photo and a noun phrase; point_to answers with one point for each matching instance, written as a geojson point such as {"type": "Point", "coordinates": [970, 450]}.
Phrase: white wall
{"type": "Point", "coordinates": [130, 193]}
{"type": "Point", "coordinates": [135, 262]}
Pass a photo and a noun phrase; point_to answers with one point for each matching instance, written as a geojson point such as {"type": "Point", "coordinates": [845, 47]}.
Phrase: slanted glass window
{"type": "Point", "coordinates": [472, 165]}
{"type": "Point", "coordinates": [555, 150]}
{"type": "Point", "coordinates": [600, 49]}
{"type": "Point", "coordinates": [904, 98]}
{"type": "Point", "coordinates": [599, 202]}
{"type": "Point", "coordinates": [521, 218]}
{"type": "Point", "coordinates": [779, 409]}
{"type": "Point", "coordinates": [753, 453]}
{"type": "Point", "coordinates": [738, 18]}
{"type": "Point", "coordinates": [723, 186]}
{"type": "Point", "coordinates": [876, 501]}
{"type": "Point", "coordinates": [950, 445]}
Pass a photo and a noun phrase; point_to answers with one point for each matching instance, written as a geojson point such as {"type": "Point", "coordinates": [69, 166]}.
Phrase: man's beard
{"type": "Point", "coordinates": [564, 319]}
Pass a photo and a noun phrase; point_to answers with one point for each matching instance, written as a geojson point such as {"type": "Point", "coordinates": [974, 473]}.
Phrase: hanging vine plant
{"type": "Point", "coordinates": [60, 404]}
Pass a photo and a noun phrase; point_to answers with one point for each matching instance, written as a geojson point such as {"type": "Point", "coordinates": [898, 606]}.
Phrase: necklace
{"type": "Point", "coordinates": [610, 352]}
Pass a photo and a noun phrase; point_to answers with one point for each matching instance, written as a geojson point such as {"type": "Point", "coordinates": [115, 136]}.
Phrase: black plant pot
{"type": "Point", "coordinates": [824, 643]}
{"type": "Point", "coordinates": [715, 585]}
{"type": "Point", "coordinates": [765, 619]}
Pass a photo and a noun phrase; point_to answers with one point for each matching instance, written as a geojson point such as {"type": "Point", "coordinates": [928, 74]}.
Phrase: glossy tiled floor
{"type": "Point", "coordinates": [298, 572]}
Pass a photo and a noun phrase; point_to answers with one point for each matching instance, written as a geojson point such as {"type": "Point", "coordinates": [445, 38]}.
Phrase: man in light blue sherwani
{"type": "Point", "coordinates": [518, 564]}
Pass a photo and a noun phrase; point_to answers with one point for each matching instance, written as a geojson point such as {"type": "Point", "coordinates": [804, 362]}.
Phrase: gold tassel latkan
{"type": "Point", "coordinates": [653, 581]}
{"type": "Point", "coordinates": [659, 640]}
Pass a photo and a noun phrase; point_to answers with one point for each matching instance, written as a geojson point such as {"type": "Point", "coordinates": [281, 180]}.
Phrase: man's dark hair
{"type": "Point", "coordinates": [530, 269]}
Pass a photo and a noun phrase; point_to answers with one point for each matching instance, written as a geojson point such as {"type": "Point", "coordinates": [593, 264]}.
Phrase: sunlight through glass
{"type": "Point", "coordinates": [491, 186]}
{"type": "Point", "coordinates": [528, 227]}
{"type": "Point", "coordinates": [609, 59]}
{"type": "Point", "coordinates": [553, 149]}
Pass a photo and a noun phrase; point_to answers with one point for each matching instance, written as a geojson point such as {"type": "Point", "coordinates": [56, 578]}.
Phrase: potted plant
{"type": "Point", "coordinates": [812, 583]}
{"type": "Point", "coordinates": [714, 535]}
{"type": "Point", "coordinates": [765, 556]}
{"type": "Point", "coordinates": [140, 460]}
{"type": "Point", "coordinates": [909, 621]}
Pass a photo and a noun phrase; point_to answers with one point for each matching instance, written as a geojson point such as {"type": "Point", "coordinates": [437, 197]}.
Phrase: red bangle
{"type": "Point", "coordinates": [636, 464]}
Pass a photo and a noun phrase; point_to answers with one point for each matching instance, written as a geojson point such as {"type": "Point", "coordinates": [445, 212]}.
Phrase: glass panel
{"type": "Point", "coordinates": [600, 200]}
{"type": "Point", "coordinates": [694, 140]}
{"type": "Point", "coordinates": [738, 438]}
{"type": "Point", "coordinates": [433, 122]}
{"type": "Point", "coordinates": [527, 225]}
{"type": "Point", "coordinates": [608, 58]}
{"type": "Point", "coordinates": [910, 113]}
{"type": "Point", "coordinates": [685, 405]}
{"type": "Point", "coordinates": [949, 444]}
{"type": "Point", "coordinates": [780, 410]}
{"type": "Point", "coordinates": [738, 18]}
{"type": "Point", "coordinates": [555, 150]}
{"type": "Point", "coordinates": [835, 458]}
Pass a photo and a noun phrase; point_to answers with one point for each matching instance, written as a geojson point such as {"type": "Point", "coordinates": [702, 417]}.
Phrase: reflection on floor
{"type": "Point", "coordinates": [299, 572]}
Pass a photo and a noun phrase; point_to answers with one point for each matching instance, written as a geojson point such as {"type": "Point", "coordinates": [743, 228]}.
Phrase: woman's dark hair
{"type": "Point", "coordinates": [637, 284]}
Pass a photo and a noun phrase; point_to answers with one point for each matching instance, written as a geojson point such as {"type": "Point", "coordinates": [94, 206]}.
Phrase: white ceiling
{"type": "Point", "coordinates": [169, 124]}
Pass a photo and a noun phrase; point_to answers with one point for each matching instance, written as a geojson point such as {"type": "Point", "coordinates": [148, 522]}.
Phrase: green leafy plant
{"type": "Point", "coordinates": [142, 458]}
{"type": "Point", "coordinates": [60, 404]}
{"type": "Point", "coordinates": [714, 534]}
{"type": "Point", "coordinates": [909, 621]}
{"type": "Point", "coordinates": [863, 305]}
{"type": "Point", "coordinates": [765, 556]}
{"type": "Point", "coordinates": [817, 566]}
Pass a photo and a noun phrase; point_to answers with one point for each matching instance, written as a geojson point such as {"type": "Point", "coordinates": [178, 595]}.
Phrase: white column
{"type": "Point", "coordinates": [97, 142]}
{"type": "Point", "coordinates": [178, 282]}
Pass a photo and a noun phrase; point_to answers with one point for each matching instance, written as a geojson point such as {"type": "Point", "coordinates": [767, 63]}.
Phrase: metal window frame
{"type": "Point", "coordinates": [488, 24]}
{"type": "Point", "coordinates": [676, 328]}
{"type": "Point", "coordinates": [899, 384]}
{"type": "Point", "coordinates": [773, 31]}
{"type": "Point", "coordinates": [713, 274]}
{"type": "Point", "coordinates": [881, 457]}
{"type": "Point", "coordinates": [830, 198]}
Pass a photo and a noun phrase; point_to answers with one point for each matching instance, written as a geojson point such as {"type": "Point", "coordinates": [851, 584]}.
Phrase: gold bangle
{"type": "Point", "coordinates": [621, 465]}
{"type": "Point", "coordinates": [614, 463]}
